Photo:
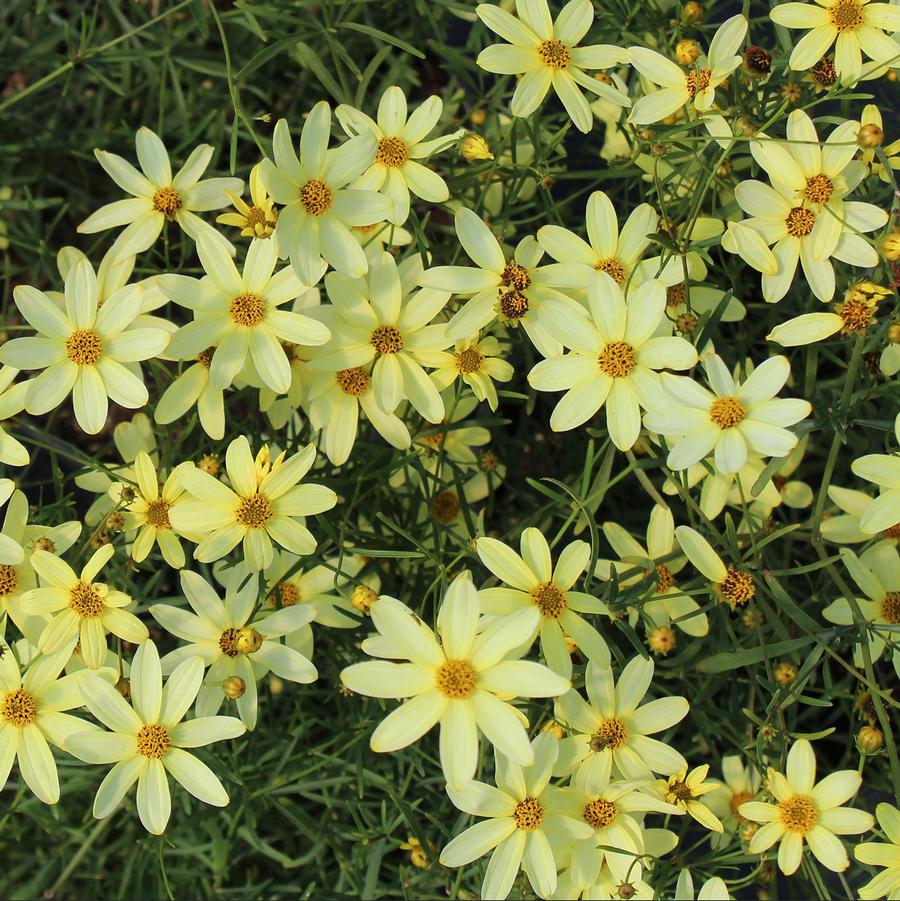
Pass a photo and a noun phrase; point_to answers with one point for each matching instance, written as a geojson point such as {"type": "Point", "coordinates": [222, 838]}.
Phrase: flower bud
{"type": "Point", "coordinates": [478, 116]}
{"type": "Point", "coordinates": [475, 147]}
{"type": "Point", "coordinates": [687, 52]}
{"type": "Point", "coordinates": [890, 246]}
{"type": "Point", "coordinates": [870, 136]}
{"type": "Point", "coordinates": [692, 12]}
{"type": "Point", "coordinates": [661, 640]}
{"type": "Point", "coordinates": [870, 739]}
{"type": "Point", "coordinates": [362, 598]}
{"type": "Point", "coordinates": [234, 687]}
{"type": "Point", "coordinates": [785, 673]}
{"type": "Point", "coordinates": [248, 640]}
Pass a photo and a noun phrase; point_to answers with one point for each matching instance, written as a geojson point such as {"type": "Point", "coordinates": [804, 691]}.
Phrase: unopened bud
{"type": "Point", "coordinates": [661, 640]}
{"type": "Point", "coordinates": [234, 687]}
{"type": "Point", "coordinates": [362, 598]}
{"type": "Point", "coordinates": [478, 116]}
{"type": "Point", "coordinates": [123, 687]}
{"type": "Point", "coordinates": [692, 12]}
{"type": "Point", "coordinates": [475, 147]}
{"type": "Point", "coordinates": [890, 246]}
{"type": "Point", "coordinates": [870, 739]}
{"type": "Point", "coordinates": [870, 136]}
{"type": "Point", "coordinates": [785, 673]}
{"type": "Point", "coordinates": [687, 51]}
{"type": "Point", "coordinates": [248, 640]}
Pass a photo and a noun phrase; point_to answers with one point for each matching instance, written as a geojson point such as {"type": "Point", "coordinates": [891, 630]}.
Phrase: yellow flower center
{"type": "Point", "coordinates": [662, 639]}
{"type": "Point", "coordinates": [824, 72]}
{"type": "Point", "coordinates": [205, 356]}
{"type": "Point", "coordinates": [727, 412]}
{"type": "Point", "coordinates": [679, 792]}
{"type": "Point", "coordinates": [247, 309]}
{"type": "Point", "coordinates": [256, 216]}
{"type": "Point", "coordinates": [515, 276]}
{"type": "Point", "coordinates": [445, 507]}
{"type": "Point", "coordinates": [847, 15]}
{"type": "Point", "coordinates": [800, 222]}
{"type": "Point", "coordinates": [550, 599]}
{"type": "Point", "coordinates": [227, 642]}
{"type": "Point", "coordinates": [675, 295]}
{"type": "Point", "coordinates": [798, 814]}
{"type": "Point", "coordinates": [697, 80]}
{"type": "Point", "coordinates": [487, 461]}
{"type": "Point", "coordinates": [167, 201]}
{"type": "Point", "coordinates": [737, 799]}
{"type": "Point", "coordinates": [529, 814]}
{"type": "Point", "coordinates": [857, 314]}
{"type": "Point", "coordinates": [819, 189]}
{"type": "Point", "coordinates": [392, 152]}
{"type": "Point", "coordinates": [84, 600]}
{"type": "Point", "coordinates": [354, 382]}
{"type": "Point", "coordinates": [738, 587]}
{"type": "Point", "coordinates": [616, 359]}
{"type": "Point", "coordinates": [19, 708]}
{"type": "Point", "coordinates": [386, 339]}
{"type": "Point", "coordinates": [153, 741]}
{"type": "Point", "coordinates": [158, 514]}
{"type": "Point", "coordinates": [513, 304]}
{"type": "Point", "coordinates": [9, 580]}
{"type": "Point", "coordinates": [890, 608]}
{"type": "Point", "coordinates": [240, 641]}
{"type": "Point", "coordinates": [611, 734]}
{"type": "Point", "coordinates": [600, 813]}
{"type": "Point", "coordinates": [254, 511]}
{"type": "Point", "coordinates": [456, 679]}
{"type": "Point", "coordinates": [288, 595]}
{"type": "Point", "coordinates": [892, 532]}
{"type": "Point", "coordinates": [613, 268]}
{"type": "Point", "coordinates": [554, 54]}
{"type": "Point", "coordinates": [664, 578]}
{"type": "Point", "coordinates": [84, 347]}
{"type": "Point", "coordinates": [468, 360]}
{"type": "Point", "coordinates": [435, 439]}
{"type": "Point", "coordinates": [316, 196]}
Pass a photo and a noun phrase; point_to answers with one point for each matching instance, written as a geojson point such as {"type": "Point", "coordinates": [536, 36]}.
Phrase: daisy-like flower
{"type": "Point", "coordinates": [731, 420]}
{"type": "Point", "coordinates": [523, 817]}
{"type": "Point", "coordinates": [882, 854]}
{"type": "Point", "coordinates": [884, 471]}
{"type": "Point", "coordinates": [13, 396]}
{"type": "Point", "coordinates": [807, 812]}
{"type": "Point", "coordinates": [684, 788]}
{"type": "Point", "coordinates": [516, 292]}
{"type": "Point", "coordinates": [147, 739]}
{"type": "Point", "coordinates": [694, 88]}
{"type": "Point", "coordinates": [798, 231]}
{"type": "Point", "coordinates": [32, 714]}
{"type": "Point", "coordinates": [82, 349]}
{"type": "Point", "coordinates": [319, 208]}
{"type": "Point", "coordinates": [230, 643]}
{"type": "Point", "coordinates": [148, 513]}
{"type": "Point", "coordinates": [264, 504]}
{"type": "Point", "coordinates": [237, 313]}
{"type": "Point", "coordinates": [614, 728]}
{"type": "Point", "coordinates": [194, 386]}
{"type": "Point", "coordinates": [614, 361]}
{"type": "Point", "coordinates": [617, 253]}
{"type": "Point", "coordinates": [531, 581]}
{"type": "Point", "coordinates": [844, 527]}
{"type": "Point", "coordinates": [739, 783]}
{"type": "Point", "coordinates": [666, 604]}
{"type": "Point", "coordinates": [477, 362]}
{"type": "Point", "coordinates": [457, 682]}
{"type": "Point", "coordinates": [377, 318]}
{"type": "Point", "coordinates": [877, 573]}
{"type": "Point", "coordinates": [84, 608]}
{"type": "Point", "coordinates": [256, 219]}
{"type": "Point", "coordinates": [393, 168]}
{"type": "Point", "coordinates": [854, 26]}
{"type": "Point", "coordinates": [732, 585]}
{"type": "Point", "coordinates": [19, 578]}
{"type": "Point", "coordinates": [546, 54]}
{"type": "Point", "coordinates": [157, 196]}
{"type": "Point", "coordinates": [613, 809]}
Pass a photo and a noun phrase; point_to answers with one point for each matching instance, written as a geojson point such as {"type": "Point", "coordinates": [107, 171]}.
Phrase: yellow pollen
{"type": "Point", "coordinates": [256, 216]}
{"type": "Point", "coordinates": [167, 201]}
{"type": "Point", "coordinates": [616, 359]}
{"type": "Point", "coordinates": [737, 799]}
{"type": "Point", "coordinates": [857, 314]}
{"type": "Point", "coordinates": [892, 532]}
{"type": "Point", "coordinates": [613, 268]}
{"type": "Point", "coordinates": [738, 588]}
{"type": "Point", "coordinates": [890, 608]}
{"type": "Point", "coordinates": [487, 461]}
{"type": "Point", "coordinates": [209, 463]}
{"type": "Point", "coordinates": [611, 735]}
{"type": "Point", "coordinates": [386, 339]}
{"type": "Point", "coordinates": [247, 309]}
{"type": "Point", "coordinates": [84, 600]}
{"type": "Point", "coordinates": [153, 741]}
{"type": "Point", "coordinates": [824, 72]}
{"type": "Point", "coordinates": [19, 708]}
{"type": "Point", "coordinates": [679, 792]}
{"type": "Point", "coordinates": [254, 511]}
{"type": "Point", "coordinates": [392, 152]}
{"type": "Point", "coordinates": [675, 295]}
{"type": "Point", "coordinates": [9, 580]}
{"type": "Point", "coordinates": [847, 15]}
{"type": "Point", "coordinates": [456, 679]}
{"type": "Point", "coordinates": [83, 347]}
{"type": "Point", "coordinates": [727, 412]}
{"type": "Point", "coordinates": [554, 54]}
{"type": "Point", "coordinates": [529, 814]}
{"type": "Point", "coordinates": [600, 813]}
{"type": "Point", "coordinates": [819, 189]}
{"type": "Point", "coordinates": [435, 439]}
{"type": "Point", "coordinates": [468, 360]}
{"type": "Point", "coordinates": [798, 814]}
{"type": "Point", "coordinates": [445, 507]}
{"type": "Point", "coordinates": [800, 222]}
{"type": "Point", "coordinates": [158, 514]}
{"type": "Point", "coordinates": [662, 639]}
{"type": "Point", "coordinates": [664, 577]}
{"type": "Point", "coordinates": [317, 197]}
{"type": "Point", "coordinates": [549, 599]}
{"type": "Point", "coordinates": [287, 594]}
{"type": "Point", "coordinates": [228, 642]}
{"type": "Point", "coordinates": [205, 356]}
{"type": "Point", "coordinates": [697, 80]}
{"type": "Point", "coordinates": [513, 304]}
{"type": "Point", "coordinates": [515, 276]}
{"type": "Point", "coordinates": [354, 382]}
